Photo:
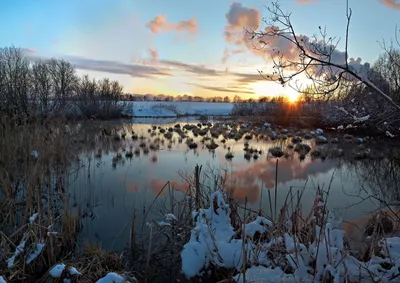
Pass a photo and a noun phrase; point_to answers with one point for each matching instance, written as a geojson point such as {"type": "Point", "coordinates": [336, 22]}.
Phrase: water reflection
{"type": "Point", "coordinates": [109, 193]}
{"type": "Point", "coordinates": [382, 177]}
{"type": "Point", "coordinates": [246, 179]}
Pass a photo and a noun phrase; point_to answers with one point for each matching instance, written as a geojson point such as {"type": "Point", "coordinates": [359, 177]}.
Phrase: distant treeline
{"type": "Point", "coordinates": [51, 87]}
{"type": "Point", "coordinates": [189, 98]}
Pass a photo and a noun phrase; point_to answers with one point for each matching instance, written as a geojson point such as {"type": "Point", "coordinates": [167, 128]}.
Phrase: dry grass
{"type": "Point", "coordinates": [160, 258]}
{"type": "Point", "coordinates": [34, 158]}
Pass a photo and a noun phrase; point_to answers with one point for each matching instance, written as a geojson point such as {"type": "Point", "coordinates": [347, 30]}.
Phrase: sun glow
{"type": "Point", "coordinates": [292, 95]}
{"type": "Point", "coordinates": [271, 89]}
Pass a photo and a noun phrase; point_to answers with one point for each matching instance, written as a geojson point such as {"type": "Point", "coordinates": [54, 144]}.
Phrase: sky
{"type": "Point", "coordinates": [178, 47]}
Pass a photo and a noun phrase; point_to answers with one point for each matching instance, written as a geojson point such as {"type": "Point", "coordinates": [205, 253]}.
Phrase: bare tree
{"type": "Point", "coordinates": [64, 81]}
{"type": "Point", "coordinates": [100, 99]}
{"type": "Point", "coordinates": [15, 81]}
{"type": "Point", "coordinates": [86, 96]}
{"type": "Point", "coordinates": [388, 67]}
{"type": "Point", "coordinates": [317, 58]}
{"type": "Point", "coordinates": [42, 86]}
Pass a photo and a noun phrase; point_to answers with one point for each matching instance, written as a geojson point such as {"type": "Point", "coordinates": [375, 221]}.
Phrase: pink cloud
{"type": "Point", "coordinates": [161, 24]}
{"type": "Point", "coordinates": [306, 1]}
{"type": "Point", "coordinates": [228, 53]}
{"type": "Point", "coordinates": [153, 54]}
{"type": "Point", "coordinates": [242, 21]}
{"type": "Point", "coordinates": [394, 4]}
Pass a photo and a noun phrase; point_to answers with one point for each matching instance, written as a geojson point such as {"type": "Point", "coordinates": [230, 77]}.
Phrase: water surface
{"type": "Point", "coordinates": [108, 190]}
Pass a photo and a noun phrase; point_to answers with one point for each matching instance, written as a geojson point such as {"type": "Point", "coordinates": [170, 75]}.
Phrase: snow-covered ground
{"type": "Point", "coordinates": [213, 242]}
{"type": "Point", "coordinates": [174, 109]}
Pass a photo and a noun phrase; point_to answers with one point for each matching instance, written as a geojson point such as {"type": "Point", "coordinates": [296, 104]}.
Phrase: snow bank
{"type": "Point", "coordinates": [174, 109]}
{"type": "Point", "coordinates": [112, 277]}
{"type": "Point", "coordinates": [213, 241]}
{"type": "Point", "coordinates": [57, 270]}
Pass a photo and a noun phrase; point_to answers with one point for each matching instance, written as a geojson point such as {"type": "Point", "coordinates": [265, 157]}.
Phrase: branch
{"type": "Point", "coordinates": [348, 15]}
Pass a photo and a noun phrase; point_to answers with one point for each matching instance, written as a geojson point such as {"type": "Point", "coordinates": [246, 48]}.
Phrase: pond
{"type": "Point", "coordinates": [129, 165]}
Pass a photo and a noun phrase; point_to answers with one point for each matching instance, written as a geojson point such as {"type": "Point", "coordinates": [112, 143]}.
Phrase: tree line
{"type": "Point", "coordinates": [180, 98]}
{"type": "Point", "coordinates": [51, 87]}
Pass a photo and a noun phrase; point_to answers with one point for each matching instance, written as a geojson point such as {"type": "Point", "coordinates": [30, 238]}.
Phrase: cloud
{"type": "Point", "coordinates": [252, 78]}
{"type": "Point", "coordinates": [161, 24]}
{"type": "Point", "coordinates": [394, 4]}
{"type": "Point", "coordinates": [134, 70]}
{"type": "Point", "coordinates": [242, 20]}
{"type": "Point", "coordinates": [306, 1]}
{"type": "Point", "coordinates": [228, 53]}
{"type": "Point", "coordinates": [153, 54]}
{"type": "Point", "coordinates": [223, 89]}
{"type": "Point", "coordinates": [114, 67]}
{"type": "Point", "coordinates": [196, 69]}
{"type": "Point", "coordinates": [29, 52]}
{"type": "Point", "coordinates": [239, 16]}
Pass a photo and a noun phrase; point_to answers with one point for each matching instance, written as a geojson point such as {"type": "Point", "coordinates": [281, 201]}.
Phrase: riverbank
{"type": "Point", "coordinates": [111, 184]}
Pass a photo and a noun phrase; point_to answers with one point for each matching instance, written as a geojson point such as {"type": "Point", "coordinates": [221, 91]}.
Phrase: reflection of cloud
{"type": "Point", "coordinates": [157, 185]}
{"type": "Point", "coordinates": [130, 185]}
{"type": "Point", "coordinates": [132, 188]}
{"type": "Point", "coordinates": [245, 182]}
{"type": "Point", "coordinates": [354, 229]}
{"type": "Point", "coordinates": [241, 188]}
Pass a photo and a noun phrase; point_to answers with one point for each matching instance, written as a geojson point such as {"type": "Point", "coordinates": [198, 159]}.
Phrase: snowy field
{"type": "Point", "coordinates": [174, 109]}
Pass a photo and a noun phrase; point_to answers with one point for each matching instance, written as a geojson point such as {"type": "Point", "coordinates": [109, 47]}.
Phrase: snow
{"type": "Point", "coordinates": [36, 251]}
{"type": "Point", "coordinates": [57, 270]}
{"type": "Point", "coordinates": [164, 223]}
{"type": "Point", "coordinates": [19, 249]}
{"type": "Point", "coordinates": [170, 217]}
{"type": "Point", "coordinates": [2, 279]}
{"type": "Point", "coordinates": [112, 277]}
{"type": "Point", "coordinates": [174, 109]}
{"type": "Point", "coordinates": [361, 119]}
{"type": "Point", "coordinates": [259, 225]}
{"type": "Point", "coordinates": [389, 134]}
{"type": "Point", "coordinates": [319, 131]}
{"type": "Point", "coordinates": [73, 271]}
{"type": "Point", "coordinates": [35, 154]}
{"type": "Point", "coordinates": [212, 243]}
{"type": "Point", "coordinates": [33, 218]}
{"type": "Point", "coordinates": [264, 274]}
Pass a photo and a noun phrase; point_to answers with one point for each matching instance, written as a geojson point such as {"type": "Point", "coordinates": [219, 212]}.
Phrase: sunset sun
{"type": "Point", "coordinates": [292, 95]}
{"type": "Point", "coordinates": [271, 89]}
